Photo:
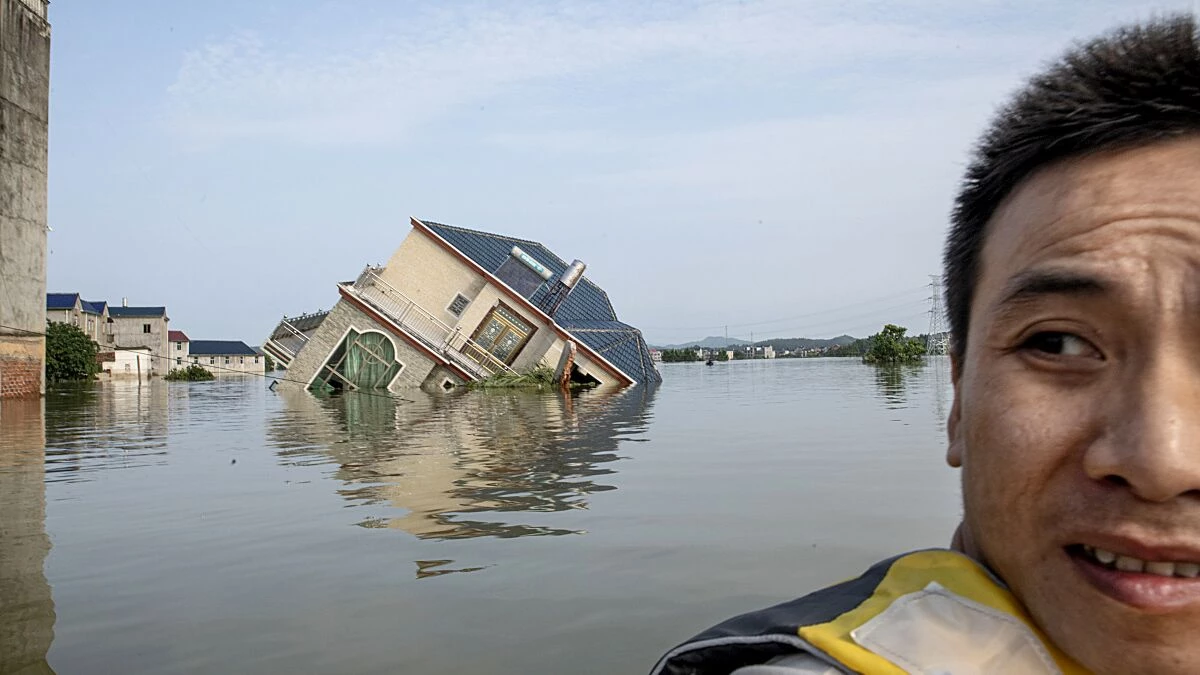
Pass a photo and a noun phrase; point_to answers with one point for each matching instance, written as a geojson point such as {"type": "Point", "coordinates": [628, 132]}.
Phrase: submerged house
{"type": "Point", "coordinates": [454, 305]}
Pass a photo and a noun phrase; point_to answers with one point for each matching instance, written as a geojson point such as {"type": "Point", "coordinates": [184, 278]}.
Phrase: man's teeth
{"type": "Point", "coordinates": [1128, 564]}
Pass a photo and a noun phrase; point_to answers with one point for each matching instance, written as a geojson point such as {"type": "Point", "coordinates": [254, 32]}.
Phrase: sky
{"type": "Point", "coordinates": [772, 167]}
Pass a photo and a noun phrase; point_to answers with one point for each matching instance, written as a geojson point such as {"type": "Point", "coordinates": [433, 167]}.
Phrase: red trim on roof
{"type": "Point", "coordinates": [387, 323]}
{"type": "Point", "coordinates": [520, 299]}
{"type": "Point", "coordinates": [177, 336]}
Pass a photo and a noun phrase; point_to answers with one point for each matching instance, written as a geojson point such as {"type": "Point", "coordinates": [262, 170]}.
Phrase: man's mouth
{"type": "Point", "coordinates": [1124, 563]}
{"type": "Point", "coordinates": [1149, 584]}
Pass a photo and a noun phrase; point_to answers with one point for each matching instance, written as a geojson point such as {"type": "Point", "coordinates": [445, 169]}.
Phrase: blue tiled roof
{"type": "Point", "coordinates": [61, 300]}
{"type": "Point", "coordinates": [220, 348]}
{"type": "Point", "coordinates": [94, 306]}
{"type": "Point", "coordinates": [587, 307]}
{"type": "Point", "coordinates": [621, 344]}
{"type": "Point", "coordinates": [136, 311]}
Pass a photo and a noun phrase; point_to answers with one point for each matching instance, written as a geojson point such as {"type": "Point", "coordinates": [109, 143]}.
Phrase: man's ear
{"type": "Point", "coordinates": [954, 449]}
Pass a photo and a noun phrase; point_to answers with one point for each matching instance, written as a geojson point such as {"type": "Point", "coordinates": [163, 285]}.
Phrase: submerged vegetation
{"type": "Point", "coordinates": [537, 378]}
{"type": "Point", "coordinates": [193, 373]}
{"type": "Point", "coordinates": [890, 346]}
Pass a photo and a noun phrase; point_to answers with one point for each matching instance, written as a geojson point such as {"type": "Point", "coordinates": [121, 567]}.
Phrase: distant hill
{"type": "Point", "coordinates": [711, 342]}
{"type": "Point", "coordinates": [780, 344]}
{"type": "Point", "coordinates": [792, 344]}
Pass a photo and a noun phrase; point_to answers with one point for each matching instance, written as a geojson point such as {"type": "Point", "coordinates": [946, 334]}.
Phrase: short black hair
{"type": "Point", "coordinates": [1134, 86]}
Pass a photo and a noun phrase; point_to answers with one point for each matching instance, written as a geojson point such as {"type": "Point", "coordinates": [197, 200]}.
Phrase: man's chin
{"type": "Point", "coordinates": [1116, 621]}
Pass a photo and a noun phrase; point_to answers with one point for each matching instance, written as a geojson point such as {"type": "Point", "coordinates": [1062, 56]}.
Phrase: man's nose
{"type": "Point", "coordinates": [1153, 444]}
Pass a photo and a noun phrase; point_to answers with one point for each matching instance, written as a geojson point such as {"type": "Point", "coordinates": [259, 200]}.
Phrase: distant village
{"type": "Point", "coordinates": [135, 342]}
{"type": "Point", "coordinates": [737, 353]}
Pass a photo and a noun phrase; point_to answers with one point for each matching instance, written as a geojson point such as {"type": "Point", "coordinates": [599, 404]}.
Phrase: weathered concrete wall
{"type": "Point", "coordinates": [130, 332]}
{"type": "Point", "coordinates": [343, 316]}
{"type": "Point", "coordinates": [26, 604]}
{"type": "Point", "coordinates": [24, 115]}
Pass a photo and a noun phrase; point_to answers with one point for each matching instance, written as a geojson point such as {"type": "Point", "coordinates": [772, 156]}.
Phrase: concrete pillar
{"type": "Point", "coordinates": [24, 115]}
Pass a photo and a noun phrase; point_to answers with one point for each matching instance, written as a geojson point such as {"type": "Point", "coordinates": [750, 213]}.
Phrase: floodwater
{"type": "Point", "coordinates": [221, 527]}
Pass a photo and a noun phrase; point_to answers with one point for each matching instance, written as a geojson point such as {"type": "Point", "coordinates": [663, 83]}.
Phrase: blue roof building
{"type": "Point", "coordinates": [454, 305]}
{"type": "Point", "coordinates": [137, 312]}
{"type": "Point", "coordinates": [220, 348]}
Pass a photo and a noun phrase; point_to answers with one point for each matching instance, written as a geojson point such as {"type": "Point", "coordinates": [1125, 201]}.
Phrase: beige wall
{"type": "Point", "coordinates": [432, 276]}
{"type": "Point", "coordinates": [91, 324]}
{"type": "Point", "coordinates": [233, 364]}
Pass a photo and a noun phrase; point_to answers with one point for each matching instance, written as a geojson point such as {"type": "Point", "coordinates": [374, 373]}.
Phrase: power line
{"type": "Point", "coordinates": [844, 320]}
{"type": "Point", "coordinates": [835, 310]}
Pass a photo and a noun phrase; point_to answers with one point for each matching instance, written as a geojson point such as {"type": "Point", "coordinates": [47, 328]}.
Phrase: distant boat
{"type": "Point", "coordinates": [708, 362]}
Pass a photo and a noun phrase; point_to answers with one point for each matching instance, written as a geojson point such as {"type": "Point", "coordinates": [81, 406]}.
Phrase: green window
{"type": "Point", "coordinates": [361, 361]}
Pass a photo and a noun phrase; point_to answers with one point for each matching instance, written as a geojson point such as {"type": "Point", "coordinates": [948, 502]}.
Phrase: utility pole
{"type": "Point", "coordinates": [938, 341]}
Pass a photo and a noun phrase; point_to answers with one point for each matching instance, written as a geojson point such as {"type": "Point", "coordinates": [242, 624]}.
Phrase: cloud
{"type": "Point", "coordinates": [383, 84]}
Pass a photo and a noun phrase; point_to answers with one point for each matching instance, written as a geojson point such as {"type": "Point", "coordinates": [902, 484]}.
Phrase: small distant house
{"type": "Point", "coordinates": [143, 327]}
{"type": "Point", "coordinates": [132, 362]}
{"type": "Point", "coordinates": [454, 305]}
{"type": "Point", "coordinates": [768, 352]}
{"type": "Point", "coordinates": [89, 316]}
{"type": "Point", "coordinates": [178, 348]}
{"type": "Point", "coordinates": [226, 357]}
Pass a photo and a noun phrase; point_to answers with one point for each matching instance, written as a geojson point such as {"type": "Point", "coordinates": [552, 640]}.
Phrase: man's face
{"type": "Point", "coordinates": [1076, 415]}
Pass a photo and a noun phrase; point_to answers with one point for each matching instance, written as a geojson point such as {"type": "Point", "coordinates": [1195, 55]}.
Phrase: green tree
{"type": "Point", "coordinates": [679, 356]}
{"type": "Point", "coordinates": [70, 353]}
{"type": "Point", "coordinates": [270, 363]}
{"type": "Point", "coordinates": [890, 346]}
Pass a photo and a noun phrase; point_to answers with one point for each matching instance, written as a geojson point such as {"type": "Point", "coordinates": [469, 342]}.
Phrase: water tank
{"type": "Point", "coordinates": [573, 274]}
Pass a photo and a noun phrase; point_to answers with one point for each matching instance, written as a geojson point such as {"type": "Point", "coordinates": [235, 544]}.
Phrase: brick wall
{"type": "Point", "coordinates": [20, 377]}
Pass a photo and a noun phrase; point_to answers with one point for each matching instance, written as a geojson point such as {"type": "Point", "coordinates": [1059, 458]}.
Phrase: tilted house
{"type": "Point", "coordinates": [454, 305]}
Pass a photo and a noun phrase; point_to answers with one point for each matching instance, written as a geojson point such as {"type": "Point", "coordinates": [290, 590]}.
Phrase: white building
{"type": "Point", "coordinates": [178, 350]}
{"type": "Point", "coordinates": [133, 363]}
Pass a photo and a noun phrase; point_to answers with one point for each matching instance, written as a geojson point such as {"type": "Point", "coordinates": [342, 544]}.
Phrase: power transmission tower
{"type": "Point", "coordinates": [939, 334]}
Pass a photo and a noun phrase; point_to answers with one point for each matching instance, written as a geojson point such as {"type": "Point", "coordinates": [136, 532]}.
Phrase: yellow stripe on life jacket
{"type": "Point", "coordinates": [911, 574]}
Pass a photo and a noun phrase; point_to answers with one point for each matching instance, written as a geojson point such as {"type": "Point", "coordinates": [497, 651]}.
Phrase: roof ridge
{"type": "Point", "coordinates": [469, 230]}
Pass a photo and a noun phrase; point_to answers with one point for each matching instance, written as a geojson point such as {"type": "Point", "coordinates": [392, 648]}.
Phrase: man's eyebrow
{"type": "Point", "coordinates": [1039, 283]}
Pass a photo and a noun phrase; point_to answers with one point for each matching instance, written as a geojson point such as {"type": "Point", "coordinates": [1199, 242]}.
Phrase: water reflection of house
{"type": "Point", "coordinates": [454, 305]}
{"type": "Point", "coordinates": [26, 604]}
{"type": "Point", "coordinates": [448, 460]}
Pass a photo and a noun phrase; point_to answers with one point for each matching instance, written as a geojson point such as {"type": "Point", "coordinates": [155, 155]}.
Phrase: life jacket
{"type": "Point", "coordinates": [926, 612]}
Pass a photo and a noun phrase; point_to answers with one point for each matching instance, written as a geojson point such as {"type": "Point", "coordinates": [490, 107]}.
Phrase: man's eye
{"type": "Point", "coordinates": [1060, 344]}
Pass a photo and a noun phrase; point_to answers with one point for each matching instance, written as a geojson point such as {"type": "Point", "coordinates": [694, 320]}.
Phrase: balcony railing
{"type": "Point", "coordinates": [285, 342]}
{"type": "Point", "coordinates": [421, 324]}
